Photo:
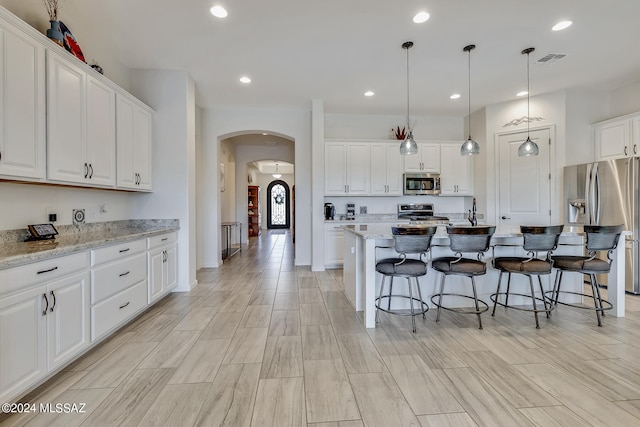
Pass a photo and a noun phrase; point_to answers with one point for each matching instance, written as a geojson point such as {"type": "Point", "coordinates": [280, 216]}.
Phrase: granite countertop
{"type": "Point", "coordinates": [14, 253]}
{"type": "Point", "coordinates": [380, 231]}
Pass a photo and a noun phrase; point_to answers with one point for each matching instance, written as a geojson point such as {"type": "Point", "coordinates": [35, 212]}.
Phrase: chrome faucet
{"type": "Point", "coordinates": [472, 214]}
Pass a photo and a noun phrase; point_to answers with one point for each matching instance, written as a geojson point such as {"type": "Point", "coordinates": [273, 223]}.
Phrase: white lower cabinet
{"type": "Point", "coordinates": [333, 245]}
{"type": "Point", "coordinates": [118, 285]}
{"type": "Point", "coordinates": [23, 333]}
{"type": "Point", "coordinates": [162, 264]}
{"type": "Point", "coordinates": [67, 319]}
{"type": "Point", "coordinates": [44, 326]}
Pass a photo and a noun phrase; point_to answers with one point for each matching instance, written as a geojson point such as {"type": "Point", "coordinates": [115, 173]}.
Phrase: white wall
{"type": "Point", "coordinates": [552, 108]}
{"type": "Point", "coordinates": [172, 95]}
{"type": "Point", "coordinates": [624, 100]}
{"type": "Point", "coordinates": [228, 196]}
{"type": "Point", "coordinates": [353, 126]}
{"type": "Point", "coordinates": [221, 123]}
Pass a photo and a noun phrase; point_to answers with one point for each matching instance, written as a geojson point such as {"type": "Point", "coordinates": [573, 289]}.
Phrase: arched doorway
{"type": "Point", "coordinates": [278, 205]}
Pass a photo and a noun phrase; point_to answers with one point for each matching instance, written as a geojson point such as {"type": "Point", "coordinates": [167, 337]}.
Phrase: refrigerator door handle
{"type": "Point", "coordinates": [597, 197]}
{"type": "Point", "coordinates": [587, 193]}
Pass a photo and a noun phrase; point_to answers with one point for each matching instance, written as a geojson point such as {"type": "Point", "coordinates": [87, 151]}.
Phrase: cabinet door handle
{"type": "Point", "coordinates": [124, 250]}
{"type": "Point", "coordinates": [635, 149]}
{"type": "Point", "coordinates": [123, 306]}
{"type": "Point", "coordinates": [54, 302]}
{"type": "Point", "coordinates": [90, 171]}
{"type": "Point", "coordinates": [124, 274]}
{"type": "Point", "coordinates": [165, 239]}
{"type": "Point", "coordinates": [626, 151]}
{"type": "Point", "coordinates": [47, 271]}
{"type": "Point", "coordinates": [86, 170]}
{"type": "Point", "coordinates": [44, 312]}
{"type": "Point", "coordinates": [505, 217]}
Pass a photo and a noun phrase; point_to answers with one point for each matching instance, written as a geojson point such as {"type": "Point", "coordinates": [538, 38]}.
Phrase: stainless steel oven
{"type": "Point", "coordinates": [422, 183]}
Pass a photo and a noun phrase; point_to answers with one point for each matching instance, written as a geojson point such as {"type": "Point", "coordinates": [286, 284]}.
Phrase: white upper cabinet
{"type": "Point", "coordinates": [613, 139]}
{"type": "Point", "coordinates": [347, 168]}
{"type": "Point", "coordinates": [133, 140]}
{"type": "Point", "coordinates": [426, 160]}
{"type": "Point", "coordinates": [81, 125]}
{"type": "Point", "coordinates": [456, 174]}
{"type": "Point", "coordinates": [22, 105]}
{"type": "Point", "coordinates": [386, 169]}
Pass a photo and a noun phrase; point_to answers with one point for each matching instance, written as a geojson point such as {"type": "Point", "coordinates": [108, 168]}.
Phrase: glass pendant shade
{"type": "Point", "coordinates": [528, 148]}
{"type": "Point", "coordinates": [409, 145]}
{"type": "Point", "coordinates": [469, 147]}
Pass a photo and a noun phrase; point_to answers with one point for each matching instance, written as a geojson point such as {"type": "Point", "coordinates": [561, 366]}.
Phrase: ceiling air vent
{"type": "Point", "coordinates": [550, 58]}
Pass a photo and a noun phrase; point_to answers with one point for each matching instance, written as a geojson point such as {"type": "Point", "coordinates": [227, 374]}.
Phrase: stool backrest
{"type": "Point", "coordinates": [602, 237]}
{"type": "Point", "coordinates": [412, 240]}
{"type": "Point", "coordinates": [470, 239]}
{"type": "Point", "coordinates": [541, 238]}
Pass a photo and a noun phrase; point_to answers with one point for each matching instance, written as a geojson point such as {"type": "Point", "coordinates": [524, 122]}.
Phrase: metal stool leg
{"type": "Point", "coordinates": [597, 286]}
{"type": "Point", "coordinates": [506, 298]}
{"type": "Point", "coordinates": [424, 316]}
{"type": "Point", "coordinates": [475, 298]}
{"type": "Point", "coordinates": [596, 298]}
{"type": "Point", "coordinates": [495, 301]}
{"type": "Point", "coordinates": [390, 294]}
{"type": "Point", "coordinates": [547, 308]}
{"type": "Point", "coordinates": [379, 300]}
{"type": "Point", "coordinates": [533, 298]}
{"type": "Point", "coordinates": [413, 315]}
{"type": "Point", "coordinates": [556, 288]}
{"type": "Point", "coordinates": [440, 299]}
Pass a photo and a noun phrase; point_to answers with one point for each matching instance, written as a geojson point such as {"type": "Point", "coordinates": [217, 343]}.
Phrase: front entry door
{"type": "Point", "coordinates": [524, 182]}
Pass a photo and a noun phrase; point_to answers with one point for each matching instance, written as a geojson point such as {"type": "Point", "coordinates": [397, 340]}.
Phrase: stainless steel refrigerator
{"type": "Point", "coordinates": [606, 193]}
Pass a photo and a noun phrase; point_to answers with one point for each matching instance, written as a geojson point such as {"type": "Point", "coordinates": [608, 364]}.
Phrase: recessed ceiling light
{"type": "Point", "coordinates": [369, 93]}
{"type": "Point", "coordinates": [245, 80]}
{"type": "Point", "coordinates": [561, 25]}
{"type": "Point", "coordinates": [421, 17]}
{"type": "Point", "coordinates": [455, 96]}
{"type": "Point", "coordinates": [218, 11]}
{"type": "Point", "coordinates": [522, 93]}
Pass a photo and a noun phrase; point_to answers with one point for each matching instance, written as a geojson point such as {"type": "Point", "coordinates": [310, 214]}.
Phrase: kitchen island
{"type": "Point", "coordinates": [364, 243]}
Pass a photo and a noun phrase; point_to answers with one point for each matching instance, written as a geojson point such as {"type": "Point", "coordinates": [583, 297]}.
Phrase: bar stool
{"type": "Point", "coordinates": [536, 239]}
{"type": "Point", "coordinates": [599, 238]}
{"type": "Point", "coordinates": [407, 241]}
{"type": "Point", "coordinates": [464, 240]}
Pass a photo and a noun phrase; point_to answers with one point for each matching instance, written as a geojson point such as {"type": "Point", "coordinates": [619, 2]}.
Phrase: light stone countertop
{"type": "Point", "coordinates": [14, 253]}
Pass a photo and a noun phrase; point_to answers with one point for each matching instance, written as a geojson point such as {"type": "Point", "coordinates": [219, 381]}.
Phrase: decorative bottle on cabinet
{"type": "Point", "coordinates": [254, 211]}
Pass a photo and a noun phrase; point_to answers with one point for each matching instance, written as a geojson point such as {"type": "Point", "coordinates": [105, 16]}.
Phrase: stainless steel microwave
{"type": "Point", "coordinates": [422, 183]}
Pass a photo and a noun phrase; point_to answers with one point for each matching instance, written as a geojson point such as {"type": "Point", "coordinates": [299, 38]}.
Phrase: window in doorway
{"type": "Point", "coordinates": [278, 206]}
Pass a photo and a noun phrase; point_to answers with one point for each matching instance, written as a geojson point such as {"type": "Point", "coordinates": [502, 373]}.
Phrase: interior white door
{"type": "Point", "coordinates": [524, 182]}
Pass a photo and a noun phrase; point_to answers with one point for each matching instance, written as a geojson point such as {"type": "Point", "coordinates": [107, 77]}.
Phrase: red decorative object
{"type": "Point", "coordinates": [400, 134]}
{"type": "Point", "coordinates": [70, 42]}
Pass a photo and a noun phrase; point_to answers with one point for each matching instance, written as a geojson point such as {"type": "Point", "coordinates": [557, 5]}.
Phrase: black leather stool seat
{"type": "Point", "coordinates": [395, 267]}
{"type": "Point", "coordinates": [521, 265]}
{"type": "Point", "coordinates": [580, 263]}
{"type": "Point", "coordinates": [465, 266]}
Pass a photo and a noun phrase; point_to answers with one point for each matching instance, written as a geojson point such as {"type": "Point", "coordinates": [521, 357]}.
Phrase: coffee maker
{"type": "Point", "coordinates": [329, 211]}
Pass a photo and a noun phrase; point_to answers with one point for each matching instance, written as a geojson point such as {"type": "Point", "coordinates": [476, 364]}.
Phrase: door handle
{"type": "Point", "coordinates": [505, 217]}
{"type": "Point", "coordinates": [626, 151]}
{"type": "Point", "coordinates": [90, 171]}
{"type": "Point", "coordinates": [44, 312]}
{"type": "Point", "coordinates": [86, 170]}
{"type": "Point", "coordinates": [54, 302]}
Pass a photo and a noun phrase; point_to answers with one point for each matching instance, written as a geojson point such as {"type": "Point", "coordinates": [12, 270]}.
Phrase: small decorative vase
{"type": "Point", "coordinates": [54, 32]}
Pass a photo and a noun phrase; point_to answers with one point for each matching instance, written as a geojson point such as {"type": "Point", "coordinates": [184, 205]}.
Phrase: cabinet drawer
{"type": "Point", "coordinates": [112, 253]}
{"type": "Point", "coordinates": [108, 314]}
{"type": "Point", "coordinates": [115, 277]}
{"type": "Point", "coordinates": [18, 278]}
{"type": "Point", "coordinates": [162, 239]}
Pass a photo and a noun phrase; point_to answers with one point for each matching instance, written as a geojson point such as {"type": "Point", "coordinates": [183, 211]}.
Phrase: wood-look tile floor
{"type": "Point", "coordinates": [260, 342]}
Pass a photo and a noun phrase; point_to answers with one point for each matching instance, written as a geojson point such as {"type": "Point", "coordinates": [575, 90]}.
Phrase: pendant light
{"type": "Point", "coordinates": [277, 175]}
{"type": "Point", "coordinates": [408, 146]}
{"type": "Point", "coordinates": [469, 147]}
{"type": "Point", "coordinates": [528, 148]}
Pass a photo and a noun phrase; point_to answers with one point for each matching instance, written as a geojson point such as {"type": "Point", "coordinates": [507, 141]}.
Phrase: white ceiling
{"type": "Point", "coordinates": [299, 50]}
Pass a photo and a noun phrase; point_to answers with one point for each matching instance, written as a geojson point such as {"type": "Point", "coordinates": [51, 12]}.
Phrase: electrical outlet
{"type": "Point", "coordinates": [363, 210]}
{"type": "Point", "coordinates": [51, 214]}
